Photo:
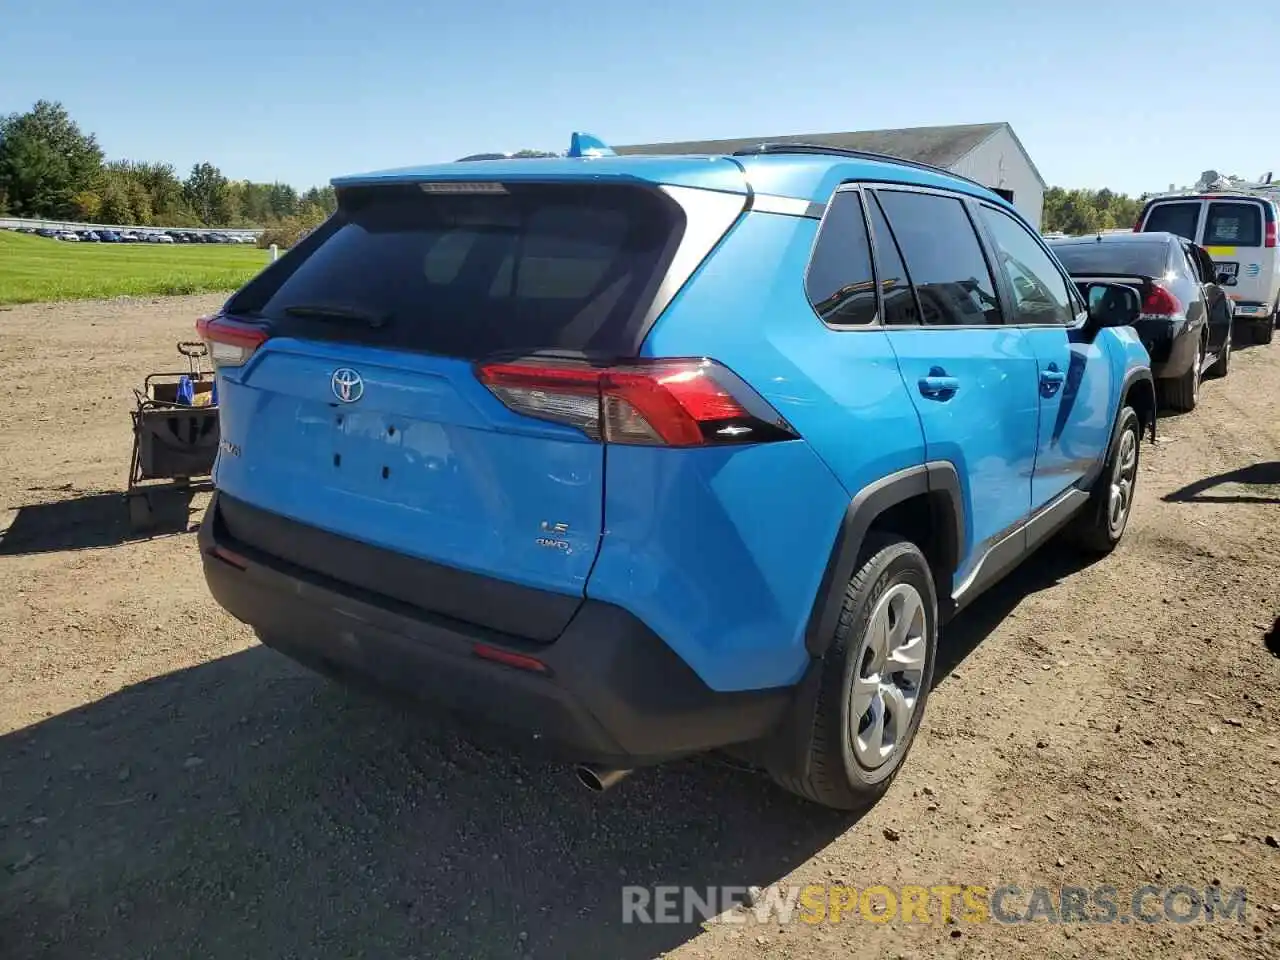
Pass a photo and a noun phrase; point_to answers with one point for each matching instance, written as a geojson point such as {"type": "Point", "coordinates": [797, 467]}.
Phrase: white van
{"type": "Point", "coordinates": [1239, 232]}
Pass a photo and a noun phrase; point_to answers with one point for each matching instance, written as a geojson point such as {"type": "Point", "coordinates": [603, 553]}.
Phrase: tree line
{"type": "Point", "coordinates": [1080, 212]}
{"type": "Point", "coordinates": [51, 169]}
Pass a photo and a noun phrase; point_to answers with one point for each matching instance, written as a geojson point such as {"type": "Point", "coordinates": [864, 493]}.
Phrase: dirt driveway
{"type": "Point", "coordinates": [169, 788]}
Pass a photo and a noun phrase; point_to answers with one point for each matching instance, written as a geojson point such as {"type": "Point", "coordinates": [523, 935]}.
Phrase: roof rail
{"type": "Point", "coordinates": [819, 148]}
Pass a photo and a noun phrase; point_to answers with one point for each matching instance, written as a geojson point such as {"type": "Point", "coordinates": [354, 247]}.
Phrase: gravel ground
{"type": "Point", "coordinates": [170, 788]}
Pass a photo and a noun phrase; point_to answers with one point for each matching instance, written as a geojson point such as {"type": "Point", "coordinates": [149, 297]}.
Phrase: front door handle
{"type": "Point", "coordinates": [939, 387]}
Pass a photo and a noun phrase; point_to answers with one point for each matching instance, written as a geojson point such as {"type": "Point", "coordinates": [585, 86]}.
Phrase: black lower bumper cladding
{"type": "Point", "coordinates": [609, 690]}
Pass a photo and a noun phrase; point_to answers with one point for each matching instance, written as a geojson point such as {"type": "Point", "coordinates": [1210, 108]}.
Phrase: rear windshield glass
{"type": "Point", "coordinates": [1233, 225]}
{"type": "Point", "coordinates": [1135, 258]}
{"type": "Point", "coordinates": [539, 267]}
{"type": "Point", "coordinates": [1179, 218]}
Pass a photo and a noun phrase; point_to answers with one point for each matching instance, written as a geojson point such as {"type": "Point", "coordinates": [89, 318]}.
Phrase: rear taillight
{"type": "Point", "coordinates": [1161, 303]}
{"type": "Point", "coordinates": [1137, 224]}
{"type": "Point", "coordinates": [673, 403]}
{"type": "Point", "coordinates": [1270, 238]}
{"type": "Point", "coordinates": [230, 343]}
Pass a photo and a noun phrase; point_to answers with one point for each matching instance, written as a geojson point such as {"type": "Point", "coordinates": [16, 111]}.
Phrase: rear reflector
{"type": "Point", "coordinates": [674, 403]}
{"type": "Point", "coordinates": [230, 343]}
{"type": "Point", "coordinates": [229, 557]}
{"type": "Point", "coordinates": [517, 660]}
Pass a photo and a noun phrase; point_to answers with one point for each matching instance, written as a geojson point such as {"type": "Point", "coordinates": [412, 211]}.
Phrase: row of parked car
{"type": "Point", "coordinates": [138, 236]}
{"type": "Point", "coordinates": [1207, 267]}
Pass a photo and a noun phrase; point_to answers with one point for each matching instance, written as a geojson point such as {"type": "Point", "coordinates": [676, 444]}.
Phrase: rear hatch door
{"type": "Point", "coordinates": [361, 415]}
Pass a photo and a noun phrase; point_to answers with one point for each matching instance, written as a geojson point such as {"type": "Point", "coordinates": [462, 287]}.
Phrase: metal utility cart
{"type": "Point", "coordinates": [175, 433]}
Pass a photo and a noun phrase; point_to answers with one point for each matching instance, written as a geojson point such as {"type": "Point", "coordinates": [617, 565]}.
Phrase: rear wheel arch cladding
{"type": "Point", "coordinates": [948, 500]}
{"type": "Point", "coordinates": [939, 482]}
{"type": "Point", "coordinates": [1140, 393]}
{"type": "Point", "coordinates": [936, 484]}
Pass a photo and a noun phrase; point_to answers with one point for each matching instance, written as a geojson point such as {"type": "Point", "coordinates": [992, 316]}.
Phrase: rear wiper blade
{"type": "Point", "coordinates": [333, 311]}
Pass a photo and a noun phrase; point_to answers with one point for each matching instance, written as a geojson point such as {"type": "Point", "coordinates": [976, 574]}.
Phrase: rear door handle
{"type": "Point", "coordinates": [1051, 379]}
{"type": "Point", "coordinates": [938, 387]}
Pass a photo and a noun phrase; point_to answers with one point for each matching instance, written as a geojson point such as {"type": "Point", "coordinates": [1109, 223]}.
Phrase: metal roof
{"type": "Point", "coordinates": [939, 146]}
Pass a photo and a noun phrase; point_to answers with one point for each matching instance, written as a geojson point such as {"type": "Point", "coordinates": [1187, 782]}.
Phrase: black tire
{"type": "Point", "coordinates": [836, 777]}
{"type": "Point", "coordinates": [1222, 366]}
{"type": "Point", "coordinates": [1264, 330]}
{"type": "Point", "coordinates": [1183, 393]}
{"type": "Point", "coordinates": [1094, 528]}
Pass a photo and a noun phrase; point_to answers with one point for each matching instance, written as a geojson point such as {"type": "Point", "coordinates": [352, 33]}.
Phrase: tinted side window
{"type": "Point", "coordinates": [1205, 269]}
{"type": "Point", "coordinates": [946, 262]}
{"type": "Point", "coordinates": [895, 284]}
{"type": "Point", "coordinates": [1179, 218]}
{"type": "Point", "coordinates": [1186, 262]}
{"type": "Point", "coordinates": [840, 283]}
{"type": "Point", "coordinates": [1039, 291]}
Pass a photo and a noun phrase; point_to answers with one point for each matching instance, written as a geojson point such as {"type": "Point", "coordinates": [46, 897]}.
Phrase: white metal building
{"type": "Point", "coordinates": [990, 153]}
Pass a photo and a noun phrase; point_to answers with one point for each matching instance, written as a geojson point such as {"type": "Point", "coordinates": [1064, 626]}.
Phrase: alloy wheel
{"type": "Point", "coordinates": [1124, 477]}
{"type": "Point", "coordinates": [888, 675]}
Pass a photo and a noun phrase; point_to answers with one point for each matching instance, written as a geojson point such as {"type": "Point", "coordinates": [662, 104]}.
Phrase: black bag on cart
{"type": "Point", "coordinates": [175, 432]}
{"type": "Point", "coordinates": [176, 443]}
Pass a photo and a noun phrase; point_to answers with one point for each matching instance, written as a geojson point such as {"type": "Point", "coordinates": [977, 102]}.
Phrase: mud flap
{"type": "Point", "coordinates": [787, 751]}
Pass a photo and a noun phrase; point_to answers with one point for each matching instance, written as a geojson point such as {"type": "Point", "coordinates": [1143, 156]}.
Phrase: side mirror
{"type": "Point", "coordinates": [1112, 305]}
{"type": "Point", "coordinates": [1224, 279]}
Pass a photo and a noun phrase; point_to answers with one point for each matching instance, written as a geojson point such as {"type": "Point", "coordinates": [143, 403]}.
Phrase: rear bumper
{"type": "Point", "coordinates": [612, 692]}
{"type": "Point", "coordinates": [1170, 344]}
{"type": "Point", "coordinates": [1251, 310]}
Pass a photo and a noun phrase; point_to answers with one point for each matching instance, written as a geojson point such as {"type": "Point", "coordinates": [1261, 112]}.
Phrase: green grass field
{"type": "Point", "coordinates": [35, 269]}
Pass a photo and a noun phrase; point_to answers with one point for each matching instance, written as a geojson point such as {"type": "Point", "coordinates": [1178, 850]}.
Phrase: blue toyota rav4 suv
{"type": "Point", "coordinates": [647, 456]}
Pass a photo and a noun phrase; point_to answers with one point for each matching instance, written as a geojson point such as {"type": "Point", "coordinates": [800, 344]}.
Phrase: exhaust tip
{"type": "Point", "coordinates": [599, 779]}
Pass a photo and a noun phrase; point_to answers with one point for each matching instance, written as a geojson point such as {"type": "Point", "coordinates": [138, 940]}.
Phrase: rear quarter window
{"type": "Point", "coordinates": [840, 283]}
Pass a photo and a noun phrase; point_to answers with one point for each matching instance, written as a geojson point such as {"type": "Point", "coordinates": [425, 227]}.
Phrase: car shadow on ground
{"type": "Point", "coordinates": [94, 520]}
{"type": "Point", "coordinates": [1043, 570]}
{"type": "Point", "coordinates": [1265, 474]}
{"type": "Point", "coordinates": [1272, 640]}
{"type": "Point", "coordinates": [1242, 337]}
{"type": "Point", "coordinates": [246, 807]}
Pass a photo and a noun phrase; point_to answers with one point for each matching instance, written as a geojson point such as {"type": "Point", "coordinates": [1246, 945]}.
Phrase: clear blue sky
{"type": "Point", "coordinates": [303, 90]}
